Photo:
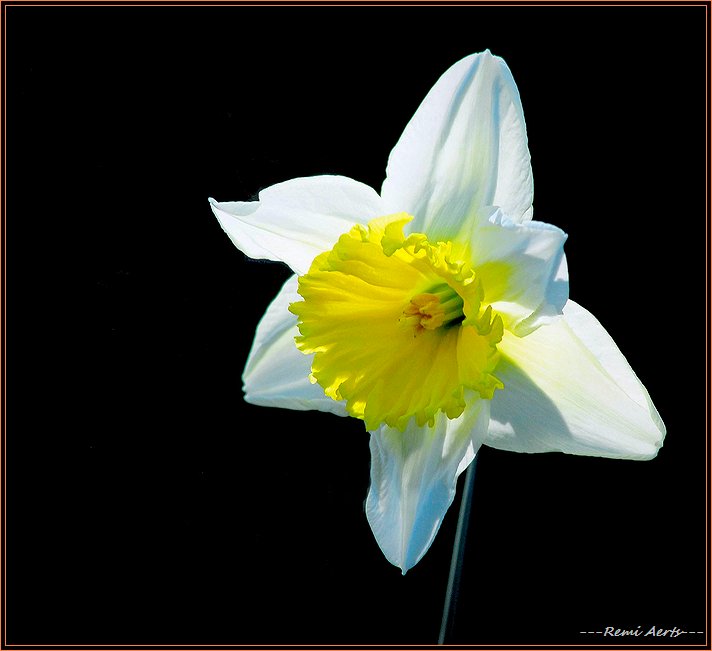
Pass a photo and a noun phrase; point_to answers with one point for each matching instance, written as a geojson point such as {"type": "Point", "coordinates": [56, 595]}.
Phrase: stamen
{"type": "Point", "coordinates": [441, 306]}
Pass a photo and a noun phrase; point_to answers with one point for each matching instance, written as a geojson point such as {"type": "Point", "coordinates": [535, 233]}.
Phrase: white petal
{"type": "Point", "coordinates": [465, 148]}
{"type": "Point", "coordinates": [276, 373]}
{"type": "Point", "coordinates": [523, 270]}
{"type": "Point", "coordinates": [568, 388]}
{"type": "Point", "coordinates": [296, 220]}
{"type": "Point", "coordinates": [413, 479]}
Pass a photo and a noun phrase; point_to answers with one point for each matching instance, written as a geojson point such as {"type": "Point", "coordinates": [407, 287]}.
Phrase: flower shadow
{"type": "Point", "coordinates": [525, 419]}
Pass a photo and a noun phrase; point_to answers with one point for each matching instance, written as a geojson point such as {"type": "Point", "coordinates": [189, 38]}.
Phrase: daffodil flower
{"type": "Point", "coordinates": [436, 312]}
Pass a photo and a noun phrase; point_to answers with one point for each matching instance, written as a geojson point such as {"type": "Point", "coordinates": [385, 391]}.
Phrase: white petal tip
{"type": "Point", "coordinates": [414, 478]}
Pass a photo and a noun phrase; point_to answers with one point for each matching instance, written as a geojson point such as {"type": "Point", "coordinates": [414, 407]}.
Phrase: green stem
{"type": "Point", "coordinates": [447, 626]}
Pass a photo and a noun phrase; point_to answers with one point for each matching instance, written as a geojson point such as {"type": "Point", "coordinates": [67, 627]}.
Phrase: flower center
{"type": "Point", "coordinates": [397, 326]}
{"type": "Point", "coordinates": [441, 306]}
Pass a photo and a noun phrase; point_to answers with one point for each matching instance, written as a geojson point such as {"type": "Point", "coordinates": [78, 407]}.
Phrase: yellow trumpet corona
{"type": "Point", "coordinates": [397, 325]}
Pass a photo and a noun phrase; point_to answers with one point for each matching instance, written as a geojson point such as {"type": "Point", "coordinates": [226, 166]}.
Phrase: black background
{"type": "Point", "coordinates": [147, 503]}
